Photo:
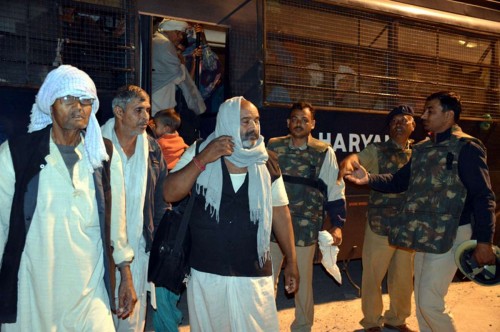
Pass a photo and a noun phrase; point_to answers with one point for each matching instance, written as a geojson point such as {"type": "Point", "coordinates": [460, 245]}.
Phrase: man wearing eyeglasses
{"type": "Point", "coordinates": [59, 234]}
{"type": "Point", "coordinates": [380, 258]}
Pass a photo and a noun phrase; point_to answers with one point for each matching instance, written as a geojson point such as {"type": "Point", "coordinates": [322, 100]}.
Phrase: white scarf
{"type": "Point", "coordinates": [135, 182]}
{"type": "Point", "coordinates": [60, 82]}
{"type": "Point", "coordinates": [209, 182]}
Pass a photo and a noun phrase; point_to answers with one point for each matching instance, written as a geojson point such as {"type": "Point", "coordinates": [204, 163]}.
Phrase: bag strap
{"type": "Point", "coordinates": [316, 184]}
{"type": "Point", "coordinates": [181, 233]}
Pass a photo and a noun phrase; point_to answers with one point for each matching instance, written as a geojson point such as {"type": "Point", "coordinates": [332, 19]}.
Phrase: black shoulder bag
{"type": "Point", "coordinates": [169, 256]}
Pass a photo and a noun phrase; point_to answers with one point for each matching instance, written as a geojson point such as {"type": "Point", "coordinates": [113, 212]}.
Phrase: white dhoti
{"type": "Point", "coordinates": [218, 303]}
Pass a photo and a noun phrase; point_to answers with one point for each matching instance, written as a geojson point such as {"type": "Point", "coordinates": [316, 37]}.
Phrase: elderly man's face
{"type": "Point", "coordinates": [401, 126]}
{"type": "Point", "coordinates": [134, 119]}
{"type": "Point", "coordinates": [175, 36]}
{"type": "Point", "coordinates": [249, 124]}
{"type": "Point", "coordinates": [69, 114]}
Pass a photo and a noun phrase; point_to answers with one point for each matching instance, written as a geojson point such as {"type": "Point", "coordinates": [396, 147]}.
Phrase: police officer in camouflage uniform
{"type": "Point", "coordinates": [379, 257]}
{"type": "Point", "coordinates": [448, 198]}
{"type": "Point", "coordinates": [310, 170]}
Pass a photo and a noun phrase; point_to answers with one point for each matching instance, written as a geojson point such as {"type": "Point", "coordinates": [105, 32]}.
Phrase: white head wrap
{"type": "Point", "coordinates": [345, 72]}
{"type": "Point", "coordinates": [172, 25]}
{"type": "Point", "coordinates": [209, 183]}
{"type": "Point", "coordinates": [68, 80]}
{"type": "Point", "coordinates": [316, 74]}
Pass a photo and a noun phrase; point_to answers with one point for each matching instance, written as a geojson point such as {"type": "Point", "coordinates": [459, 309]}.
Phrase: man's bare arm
{"type": "Point", "coordinates": [126, 293]}
{"type": "Point", "coordinates": [283, 230]}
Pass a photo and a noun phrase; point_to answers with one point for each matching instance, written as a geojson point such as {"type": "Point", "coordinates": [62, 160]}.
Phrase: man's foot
{"type": "Point", "coordinates": [400, 328]}
{"type": "Point", "coordinates": [374, 329]}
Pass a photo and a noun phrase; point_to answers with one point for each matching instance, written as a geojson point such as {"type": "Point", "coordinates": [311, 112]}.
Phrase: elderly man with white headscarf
{"type": "Point", "coordinates": [59, 234]}
{"type": "Point", "coordinates": [169, 71]}
{"type": "Point", "coordinates": [240, 198]}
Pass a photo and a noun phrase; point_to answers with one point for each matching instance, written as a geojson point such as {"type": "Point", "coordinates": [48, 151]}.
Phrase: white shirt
{"type": "Point", "coordinates": [278, 190]}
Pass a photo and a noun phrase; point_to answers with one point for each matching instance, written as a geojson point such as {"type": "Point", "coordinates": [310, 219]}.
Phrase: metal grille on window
{"type": "Point", "coordinates": [97, 36]}
{"type": "Point", "coordinates": [346, 59]}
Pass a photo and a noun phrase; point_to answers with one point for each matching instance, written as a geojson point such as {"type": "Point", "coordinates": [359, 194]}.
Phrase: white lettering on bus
{"type": "Point", "coordinates": [356, 142]}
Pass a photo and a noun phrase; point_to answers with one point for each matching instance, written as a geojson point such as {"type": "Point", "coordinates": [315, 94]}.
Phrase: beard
{"type": "Point", "coordinates": [249, 138]}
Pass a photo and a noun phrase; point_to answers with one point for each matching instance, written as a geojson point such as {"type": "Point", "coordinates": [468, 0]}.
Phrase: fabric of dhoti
{"type": "Point", "coordinates": [220, 303]}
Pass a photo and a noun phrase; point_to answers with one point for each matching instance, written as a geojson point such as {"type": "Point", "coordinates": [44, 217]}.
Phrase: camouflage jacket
{"type": "Point", "coordinates": [307, 198]}
{"type": "Point", "coordinates": [435, 197]}
{"type": "Point", "coordinates": [384, 207]}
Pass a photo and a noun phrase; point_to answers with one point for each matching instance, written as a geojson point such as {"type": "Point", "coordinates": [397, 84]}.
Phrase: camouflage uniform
{"type": "Point", "coordinates": [301, 168]}
{"type": "Point", "coordinates": [383, 207]}
{"type": "Point", "coordinates": [306, 202]}
{"type": "Point", "coordinates": [378, 257]}
{"type": "Point", "coordinates": [435, 197]}
{"type": "Point", "coordinates": [436, 216]}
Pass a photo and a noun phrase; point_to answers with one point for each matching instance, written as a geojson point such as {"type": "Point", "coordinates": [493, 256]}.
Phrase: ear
{"type": "Point", "coordinates": [288, 123]}
{"type": "Point", "coordinates": [313, 124]}
{"type": "Point", "coordinates": [118, 112]}
{"type": "Point", "coordinates": [452, 115]}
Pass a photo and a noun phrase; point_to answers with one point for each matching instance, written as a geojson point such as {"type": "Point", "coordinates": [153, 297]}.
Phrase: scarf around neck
{"type": "Point", "coordinates": [209, 183]}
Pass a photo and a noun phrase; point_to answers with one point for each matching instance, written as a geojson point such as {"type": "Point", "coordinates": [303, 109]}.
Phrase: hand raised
{"type": "Point", "coordinates": [219, 147]}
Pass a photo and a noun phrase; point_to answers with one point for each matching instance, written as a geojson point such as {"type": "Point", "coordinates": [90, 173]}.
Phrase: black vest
{"type": "Point", "coordinates": [228, 247]}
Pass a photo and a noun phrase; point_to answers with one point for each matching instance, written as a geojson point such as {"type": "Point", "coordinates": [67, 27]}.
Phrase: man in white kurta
{"type": "Point", "coordinates": [144, 172]}
{"type": "Point", "coordinates": [61, 284]}
{"type": "Point", "coordinates": [168, 71]}
{"type": "Point", "coordinates": [63, 247]}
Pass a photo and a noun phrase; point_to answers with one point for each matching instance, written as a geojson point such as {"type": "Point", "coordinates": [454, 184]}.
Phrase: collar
{"type": "Point", "coordinates": [407, 145]}
{"type": "Point", "coordinates": [302, 147]}
{"type": "Point", "coordinates": [441, 137]}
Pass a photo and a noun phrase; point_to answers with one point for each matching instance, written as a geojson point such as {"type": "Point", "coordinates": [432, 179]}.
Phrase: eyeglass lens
{"type": "Point", "coordinates": [70, 100]}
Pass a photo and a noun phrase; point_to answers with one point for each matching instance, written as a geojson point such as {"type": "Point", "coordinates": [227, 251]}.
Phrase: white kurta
{"type": "Point", "coordinates": [61, 286]}
{"type": "Point", "coordinates": [135, 177]}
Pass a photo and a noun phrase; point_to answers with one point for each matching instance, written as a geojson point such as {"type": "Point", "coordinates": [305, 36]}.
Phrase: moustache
{"type": "Point", "coordinates": [251, 134]}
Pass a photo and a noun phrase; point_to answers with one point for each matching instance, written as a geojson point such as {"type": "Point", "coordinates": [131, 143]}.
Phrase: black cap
{"type": "Point", "coordinates": [401, 109]}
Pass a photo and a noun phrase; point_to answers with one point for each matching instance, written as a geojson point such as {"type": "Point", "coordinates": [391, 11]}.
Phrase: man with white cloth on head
{"type": "Point", "coordinates": [169, 72]}
{"type": "Point", "coordinates": [144, 171]}
{"type": "Point", "coordinates": [240, 196]}
{"type": "Point", "coordinates": [59, 234]}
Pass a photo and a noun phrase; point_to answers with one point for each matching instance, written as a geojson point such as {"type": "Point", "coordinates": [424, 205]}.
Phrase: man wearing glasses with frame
{"type": "Point", "coordinates": [60, 237]}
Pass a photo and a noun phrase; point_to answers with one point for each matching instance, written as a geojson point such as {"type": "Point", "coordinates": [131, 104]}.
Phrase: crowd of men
{"type": "Point", "coordinates": [80, 205]}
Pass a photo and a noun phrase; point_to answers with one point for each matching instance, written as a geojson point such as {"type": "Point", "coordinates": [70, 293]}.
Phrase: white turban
{"type": "Point", "coordinates": [172, 25]}
{"type": "Point", "coordinates": [68, 80]}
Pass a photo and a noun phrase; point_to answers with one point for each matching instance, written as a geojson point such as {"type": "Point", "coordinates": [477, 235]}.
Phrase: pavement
{"type": "Point", "coordinates": [338, 307]}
